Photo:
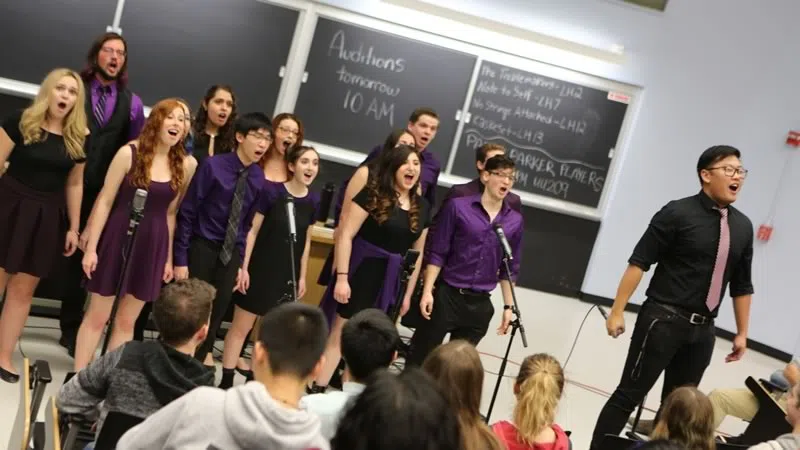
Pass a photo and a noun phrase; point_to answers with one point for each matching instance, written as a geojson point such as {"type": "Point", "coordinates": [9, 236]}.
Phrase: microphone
{"type": "Point", "coordinates": [602, 312]}
{"type": "Point", "coordinates": [498, 230]}
{"type": "Point", "coordinates": [290, 217]}
{"type": "Point", "coordinates": [137, 209]}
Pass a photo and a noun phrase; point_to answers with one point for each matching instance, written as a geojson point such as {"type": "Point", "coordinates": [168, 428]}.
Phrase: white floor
{"type": "Point", "coordinates": [551, 323]}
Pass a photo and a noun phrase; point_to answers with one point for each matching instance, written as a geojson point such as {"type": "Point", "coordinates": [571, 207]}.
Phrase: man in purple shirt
{"type": "Point", "coordinates": [483, 153]}
{"type": "Point", "coordinates": [423, 125]}
{"type": "Point", "coordinates": [216, 215]}
{"type": "Point", "coordinates": [467, 258]}
{"type": "Point", "coordinates": [115, 116]}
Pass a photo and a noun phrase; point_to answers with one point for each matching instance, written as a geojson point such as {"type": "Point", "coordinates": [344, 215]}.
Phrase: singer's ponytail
{"type": "Point", "coordinates": [540, 384]}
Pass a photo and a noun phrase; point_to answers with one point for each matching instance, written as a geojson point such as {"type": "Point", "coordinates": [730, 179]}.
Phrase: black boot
{"type": "Point", "coordinates": [227, 378]}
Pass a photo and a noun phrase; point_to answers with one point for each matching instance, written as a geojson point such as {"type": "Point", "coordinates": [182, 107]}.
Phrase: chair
{"type": "Point", "coordinates": [633, 434]}
{"type": "Point", "coordinates": [21, 431]}
{"type": "Point", "coordinates": [115, 425]}
{"type": "Point", "coordinates": [52, 433]}
{"type": "Point", "coordinates": [770, 420]}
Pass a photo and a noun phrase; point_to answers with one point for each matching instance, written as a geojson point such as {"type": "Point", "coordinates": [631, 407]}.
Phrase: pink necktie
{"type": "Point", "coordinates": [714, 293]}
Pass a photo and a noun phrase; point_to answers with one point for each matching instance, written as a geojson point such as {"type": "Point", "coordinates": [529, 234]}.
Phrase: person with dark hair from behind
{"type": "Point", "coordinates": [456, 366]}
{"type": "Point", "coordinates": [139, 378]}
{"type": "Point", "coordinates": [213, 130]}
{"type": "Point", "coordinates": [483, 154]}
{"type": "Point", "coordinates": [369, 343]}
{"type": "Point", "coordinates": [687, 417]}
{"type": "Point", "coordinates": [659, 444]}
{"type": "Point", "coordinates": [116, 116]}
{"type": "Point", "coordinates": [399, 412]}
{"type": "Point", "coordinates": [699, 244]}
{"type": "Point", "coordinates": [215, 217]}
{"type": "Point", "coordinates": [538, 389]}
{"type": "Point", "coordinates": [264, 413]}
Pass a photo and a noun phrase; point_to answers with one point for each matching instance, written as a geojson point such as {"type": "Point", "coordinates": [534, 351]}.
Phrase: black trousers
{"type": "Point", "coordinates": [663, 340]}
{"type": "Point", "coordinates": [205, 265]}
{"type": "Point", "coordinates": [463, 314]}
{"type": "Point", "coordinates": [73, 294]}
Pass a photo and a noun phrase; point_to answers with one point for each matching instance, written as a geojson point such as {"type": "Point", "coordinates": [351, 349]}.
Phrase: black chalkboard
{"type": "Point", "coordinates": [10, 104]}
{"type": "Point", "coordinates": [180, 48]}
{"type": "Point", "coordinates": [562, 135]}
{"type": "Point", "coordinates": [36, 36]}
{"type": "Point", "coordinates": [362, 83]}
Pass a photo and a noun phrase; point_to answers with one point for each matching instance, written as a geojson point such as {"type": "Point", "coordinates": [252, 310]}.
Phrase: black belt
{"type": "Point", "coordinates": [470, 292]}
{"type": "Point", "coordinates": [693, 318]}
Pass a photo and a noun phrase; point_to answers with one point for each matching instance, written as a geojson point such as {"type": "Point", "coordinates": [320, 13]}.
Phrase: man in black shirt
{"type": "Point", "coordinates": [700, 244]}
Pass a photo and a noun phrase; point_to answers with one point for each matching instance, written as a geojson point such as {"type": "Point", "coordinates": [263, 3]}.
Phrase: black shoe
{"type": "Point", "coordinates": [315, 389]}
{"type": "Point", "coordinates": [227, 379]}
{"type": "Point", "coordinates": [68, 344]}
{"type": "Point", "coordinates": [248, 374]}
{"type": "Point", "coordinates": [8, 377]}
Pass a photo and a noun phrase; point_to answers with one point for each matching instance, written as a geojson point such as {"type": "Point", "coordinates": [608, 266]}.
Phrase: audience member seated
{"type": "Point", "coordinates": [687, 418]}
{"type": "Point", "coordinates": [742, 403]}
{"type": "Point", "coordinates": [264, 413]}
{"type": "Point", "coordinates": [457, 368]}
{"type": "Point", "coordinates": [399, 412]}
{"type": "Point", "coordinates": [790, 441]}
{"type": "Point", "coordinates": [660, 444]}
{"type": "Point", "coordinates": [369, 343]}
{"type": "Point", "coordinates": [538, 389]}
{"type": "Point", "coordinates": [784, 380]}
{"type": "Point", "coordinates": [139, 378]}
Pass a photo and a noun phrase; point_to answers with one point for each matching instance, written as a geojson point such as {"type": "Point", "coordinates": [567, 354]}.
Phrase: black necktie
{"type": "Point", "coordinates": [234, 219]}
{"type": "Point", "coordinates": [100, 107]}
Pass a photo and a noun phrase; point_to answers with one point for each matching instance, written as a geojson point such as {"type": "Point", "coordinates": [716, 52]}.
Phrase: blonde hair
{"type": "Point", "coordinates": [687, 417]}
{"type": "Point", "coordinates": [540, 383]}
{"type": "Point", "coordinates": [456, 367]}
{"type": "Point", "coordinates": [74, 124]}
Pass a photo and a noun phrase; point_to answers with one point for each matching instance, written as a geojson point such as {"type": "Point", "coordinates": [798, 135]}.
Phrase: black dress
{"type": "Point", "coordinates": [270, 271]}
{"type": "Point", "coordinates": [394, 236]}
{"type": "Point", "coordinates": [33, 213]}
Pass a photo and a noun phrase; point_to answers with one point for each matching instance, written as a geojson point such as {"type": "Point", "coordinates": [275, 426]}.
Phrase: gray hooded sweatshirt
{"type": "Point", "coordinates": [784, 442]}
{"type": "Point", "coordinates": [244, 417]}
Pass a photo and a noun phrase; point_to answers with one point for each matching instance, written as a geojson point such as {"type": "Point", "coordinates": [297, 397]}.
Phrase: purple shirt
{"type": "Point", "coordinates": [476, 187]}
{"type": "Point", "coordinates": [465, 246]}
{"type": "Point", "coordinates": [428, 177]}
{"type": "Point", "coordinates": [205, 209]}
{"type": "Point", "coordinates": [137, 108]}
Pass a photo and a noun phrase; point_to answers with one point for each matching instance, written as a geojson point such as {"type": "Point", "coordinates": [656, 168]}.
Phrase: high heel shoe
{"type": "Point", "coordinates": [247, 374]}
{"type": "Point", "coordinates": [8, 377]}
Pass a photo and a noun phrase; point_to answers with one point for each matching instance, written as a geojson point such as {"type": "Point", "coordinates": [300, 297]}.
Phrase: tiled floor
{"type": "Point", "coordinates": [551, 324]}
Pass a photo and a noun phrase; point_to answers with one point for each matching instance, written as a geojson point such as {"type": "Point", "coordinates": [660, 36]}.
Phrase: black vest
{"type": "Point", "coordinates": [104, 142]}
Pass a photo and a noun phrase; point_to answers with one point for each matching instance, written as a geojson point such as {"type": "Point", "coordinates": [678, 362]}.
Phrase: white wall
{"type": "Point", "coordinates": [713, 71]}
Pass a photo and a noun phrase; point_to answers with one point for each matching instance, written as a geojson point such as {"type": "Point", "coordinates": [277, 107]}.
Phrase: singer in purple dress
{"type": "Point", "coordinates": [266, 273]}
{"type": "Point", "coordinates": [158, 165]}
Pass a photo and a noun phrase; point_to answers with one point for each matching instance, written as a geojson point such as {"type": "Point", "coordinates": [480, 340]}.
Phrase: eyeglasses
{"type": "Point", "coordinates": [730, 171]}
{"type": "Point", "coordinates": [288, 130]}
{"type": "Point", "coordinates": [120, 53]}
{"type": "Point", "coordinates": [508, 176]}
{"type": "Point", "coordinates": [261, 137]}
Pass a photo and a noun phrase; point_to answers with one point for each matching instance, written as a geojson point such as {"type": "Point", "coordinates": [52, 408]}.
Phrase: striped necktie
{"type": "Point", "coordinates": [100, 107]}
{"type": "Point", "coordinates": [715, 290]}
{"type": "Point", "coordinates": [234, 218]}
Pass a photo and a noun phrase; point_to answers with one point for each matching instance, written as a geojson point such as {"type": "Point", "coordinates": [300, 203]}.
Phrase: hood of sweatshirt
{"type": "Point", "coordinates": [171, 373]}
{"type": "Point", "coordinates": [256, 420]}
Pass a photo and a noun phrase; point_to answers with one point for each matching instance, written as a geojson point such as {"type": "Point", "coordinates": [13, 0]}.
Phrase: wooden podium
{"type": "Point", "coordinates": [321, 246]}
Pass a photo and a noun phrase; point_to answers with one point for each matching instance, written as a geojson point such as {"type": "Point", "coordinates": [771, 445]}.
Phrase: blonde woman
{"type": "Point", "coordinates": [40, 197]}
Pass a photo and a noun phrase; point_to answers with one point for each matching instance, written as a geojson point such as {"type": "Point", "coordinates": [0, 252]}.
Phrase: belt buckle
{"type": "Point", "coordinates": [462, 291]}
{"type": "Point", "coordinates": [697, 319]}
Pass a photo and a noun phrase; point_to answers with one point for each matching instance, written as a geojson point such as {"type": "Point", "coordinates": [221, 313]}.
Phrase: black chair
{"type": "Point", "coordinates": [115, 425]}
{"type": "Point", "coordinates": [770, 420]}
{"type": "Point", "coordinates": [613, 442]}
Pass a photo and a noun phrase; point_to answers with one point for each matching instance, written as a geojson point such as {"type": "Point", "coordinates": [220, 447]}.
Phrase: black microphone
{"type": "Point", "coordinates": [602, 312]}
{"type": "Point", "coordinates": [290, 217]}
{"type": "Point", "coordinates": [137, 209]}
{"type": "Point", "coordinates": [498, 230]}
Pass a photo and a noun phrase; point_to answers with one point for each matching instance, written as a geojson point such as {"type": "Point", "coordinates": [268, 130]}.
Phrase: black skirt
{"type": "Point", "coordinates": [33, 227]}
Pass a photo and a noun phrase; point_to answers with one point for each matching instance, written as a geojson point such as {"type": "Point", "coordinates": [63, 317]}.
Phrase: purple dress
{"type": "Point", "coordinates": [149, 250]}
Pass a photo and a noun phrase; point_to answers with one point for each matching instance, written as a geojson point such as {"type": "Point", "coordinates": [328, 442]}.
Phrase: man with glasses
{"type": "Point", "coordinates": [466, 252]}
{"type": "Point", "coordinates": [700, 244]}
{"type": "Point", "coordinates": [216, 215]}
{"type": "Point", "coordinates": [115, 117]}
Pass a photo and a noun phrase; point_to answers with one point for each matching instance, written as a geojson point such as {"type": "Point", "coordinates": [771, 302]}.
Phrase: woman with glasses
{"type": "Point", "coordinates": [288, 129]}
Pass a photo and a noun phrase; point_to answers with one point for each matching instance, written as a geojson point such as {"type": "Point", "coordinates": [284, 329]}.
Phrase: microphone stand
{"type": "Point", "coordinates": [516, 324]}
{"type": "Point", "coordinates": [291, 240]}
{"type": "Point", "coordinates": [136, 217]}
{"type": "Point", "coordinates": [405, 275]}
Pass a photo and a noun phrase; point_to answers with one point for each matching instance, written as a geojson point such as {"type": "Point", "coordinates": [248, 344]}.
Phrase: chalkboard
{"type": "Point", "coordinates": [562, 135]}
{"type": "Point", "coordinates": [36, 36]}
{"type": "Point", "coordinates": [362, 83]}
{"type": "Point", "coordinates": [179, 48]}
{"type": "Point", "coordinates": [10, 104]}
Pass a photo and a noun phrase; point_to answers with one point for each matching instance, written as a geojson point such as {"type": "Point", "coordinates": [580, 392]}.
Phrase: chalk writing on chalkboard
{"type": "Point", "coordinates": [365, 95]}
{"type": "Point", "coordinates": [554, 130]}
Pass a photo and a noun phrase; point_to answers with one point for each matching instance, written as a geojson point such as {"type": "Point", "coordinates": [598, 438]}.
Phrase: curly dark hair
{"type": "Point", "coordinates": [226, 139]}
{"type": "Point", "coordinates": [381, 187]}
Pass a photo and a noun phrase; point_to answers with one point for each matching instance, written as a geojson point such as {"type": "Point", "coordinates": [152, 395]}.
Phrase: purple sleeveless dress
{"type": "Point", "coordinates": [149, 250]}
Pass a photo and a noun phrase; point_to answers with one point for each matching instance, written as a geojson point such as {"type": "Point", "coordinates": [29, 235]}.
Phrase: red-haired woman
{"type": "Point", "coordinates": [159, 165]}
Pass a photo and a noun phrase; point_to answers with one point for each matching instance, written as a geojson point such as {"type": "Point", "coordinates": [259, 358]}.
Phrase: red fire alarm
{"type": "Point", "coordinates": [793, 139]}
{"type": "Point", "coordinates": [764, 232]}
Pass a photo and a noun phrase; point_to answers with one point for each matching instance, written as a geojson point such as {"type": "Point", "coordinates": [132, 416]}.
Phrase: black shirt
{"type": "Point", "coordinates": [394, 235]}
{"type": "Point", "coordinates": [43, 166]}
{"type": "Point", "coordinates": [683, 239]}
